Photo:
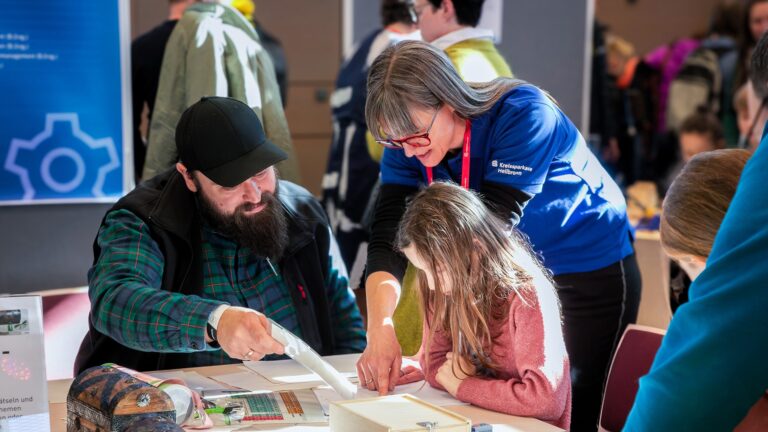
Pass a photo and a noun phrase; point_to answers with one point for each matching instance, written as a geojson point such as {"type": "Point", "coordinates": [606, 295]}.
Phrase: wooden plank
{"type": "Point", "coordinates": [310, 32]}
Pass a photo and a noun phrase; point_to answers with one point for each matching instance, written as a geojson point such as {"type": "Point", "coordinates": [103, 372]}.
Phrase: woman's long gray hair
{"type": "Point", "coordinates": [413, 74]}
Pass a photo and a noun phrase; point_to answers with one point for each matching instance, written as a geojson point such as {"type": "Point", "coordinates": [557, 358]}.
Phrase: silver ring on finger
{"type": "Point", "coordinates": [248, 355]}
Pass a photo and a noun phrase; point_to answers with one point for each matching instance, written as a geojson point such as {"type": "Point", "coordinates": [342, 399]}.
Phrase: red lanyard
{"type": "Point", "coordinates": [464, 159]}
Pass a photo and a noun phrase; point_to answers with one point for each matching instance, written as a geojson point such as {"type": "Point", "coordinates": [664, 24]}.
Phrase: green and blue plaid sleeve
{"type": "Point", "coordinates": [127, 302]}
{"type": "Point", "coordinates": [347, 322]}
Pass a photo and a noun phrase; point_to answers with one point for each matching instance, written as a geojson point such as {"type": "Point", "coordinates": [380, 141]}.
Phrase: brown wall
{"type": "Point", "coordinates": [650, 23]}
{"type": "Point", "coordinates": [146, 14]}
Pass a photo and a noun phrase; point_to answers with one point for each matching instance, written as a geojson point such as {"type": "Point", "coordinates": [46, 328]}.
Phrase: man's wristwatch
{"type": "Point", "coordinates": [211, 332]}
{"type": "Point", "coordinates": [213, 324]}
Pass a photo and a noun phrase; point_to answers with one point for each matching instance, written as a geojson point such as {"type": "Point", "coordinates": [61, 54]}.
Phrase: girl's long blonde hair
{"type": "Point", "coordinates": [467, 247]}
{"type": "Point", "coordinates": [414, 74]}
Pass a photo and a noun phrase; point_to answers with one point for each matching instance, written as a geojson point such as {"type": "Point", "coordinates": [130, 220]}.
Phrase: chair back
{"type": "Point", "coordinates": [655, 309]}
{"type": "Point", "coordinates": [633, 358]}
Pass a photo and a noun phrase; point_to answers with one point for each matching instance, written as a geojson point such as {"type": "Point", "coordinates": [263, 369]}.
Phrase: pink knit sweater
{"type": "Point", "coordinates": [534, 380]}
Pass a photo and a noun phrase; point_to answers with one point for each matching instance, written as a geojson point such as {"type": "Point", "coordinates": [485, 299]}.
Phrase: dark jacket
{"type": "Point", "coordinates": [637, 110]}
{"type": "Point", "coordinates": [166, 205]}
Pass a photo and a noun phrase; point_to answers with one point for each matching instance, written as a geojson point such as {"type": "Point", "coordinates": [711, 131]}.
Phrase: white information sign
{"type": "Point", "coordinates": [23, 386]}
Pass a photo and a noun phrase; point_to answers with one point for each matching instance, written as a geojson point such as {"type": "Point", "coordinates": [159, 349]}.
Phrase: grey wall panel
{"type": "Point", "coordinates": [366, 18]}
{"type": "Point", "coordinates": [47, 246]}
{"type": "Point", "coordinates": [545, 43]}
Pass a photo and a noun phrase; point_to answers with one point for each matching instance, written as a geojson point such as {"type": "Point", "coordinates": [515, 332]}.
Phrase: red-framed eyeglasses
{"type": "Point", "coordinates": [421, 140]}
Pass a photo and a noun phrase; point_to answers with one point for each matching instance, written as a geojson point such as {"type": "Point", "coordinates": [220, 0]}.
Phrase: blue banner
{"type": "Point", "coordinates": [64, 116]}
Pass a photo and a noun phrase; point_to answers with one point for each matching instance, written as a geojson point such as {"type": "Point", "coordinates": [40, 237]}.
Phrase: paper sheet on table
{"type": "Point", "coordinates": [326, 395]}
{"type": "Point", "coordinates": [249, 380]}
{"type": "Point", "coordinates": [298, 350]}
{"type": "Point", "coordinates": [291, 372]}
{"type": "Point", "coordinates": [195, 381]}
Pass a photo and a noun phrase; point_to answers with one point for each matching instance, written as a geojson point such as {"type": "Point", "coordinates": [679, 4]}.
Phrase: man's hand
{"type": "Point", "coordinates": [246, 334]}
{"type": "Point", "coordinates": [379, 366]}
{"type": "Point", "coordinates": [446, 377]}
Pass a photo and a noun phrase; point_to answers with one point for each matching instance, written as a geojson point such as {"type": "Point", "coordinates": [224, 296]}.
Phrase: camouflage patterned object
{"type": "Point", "coordinates": [105, 399]}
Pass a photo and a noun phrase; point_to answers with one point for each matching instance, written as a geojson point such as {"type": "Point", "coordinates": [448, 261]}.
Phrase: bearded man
{"type": "Point", "coordinates": [189, 266]}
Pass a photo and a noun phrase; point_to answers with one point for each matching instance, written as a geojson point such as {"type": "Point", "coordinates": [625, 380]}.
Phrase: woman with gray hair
{"type": "Point", "coordinates": [510, 141]}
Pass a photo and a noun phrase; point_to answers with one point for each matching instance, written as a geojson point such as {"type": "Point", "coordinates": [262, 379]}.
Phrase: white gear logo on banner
{"type": "Point", "coordinates": [46, 160]}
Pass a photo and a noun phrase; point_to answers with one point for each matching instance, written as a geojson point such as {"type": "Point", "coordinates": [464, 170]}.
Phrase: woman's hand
{"type": "Point", "coordinates": [445, 375]}
{"type": "Point", "coordinates": [379, 366]}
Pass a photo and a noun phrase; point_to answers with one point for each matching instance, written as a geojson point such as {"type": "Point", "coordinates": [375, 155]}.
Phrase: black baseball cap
{"type": "Point", "coordinates": [223, 138]}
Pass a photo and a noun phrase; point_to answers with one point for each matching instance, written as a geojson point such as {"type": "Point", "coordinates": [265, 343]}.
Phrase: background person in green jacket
{"type": "Point", "coordinates": [215, 51]}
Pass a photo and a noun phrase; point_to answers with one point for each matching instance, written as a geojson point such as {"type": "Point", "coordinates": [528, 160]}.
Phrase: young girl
{"type": "Point", "coordinates": [695, 206]}
{"type": "Point", "coordinates": [693, 211]}
{"type": "Point", "coordinates": [492, 330]}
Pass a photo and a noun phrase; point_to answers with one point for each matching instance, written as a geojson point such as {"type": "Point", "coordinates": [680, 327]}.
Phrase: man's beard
{"type": "Point", "coordinates": [265, 233]}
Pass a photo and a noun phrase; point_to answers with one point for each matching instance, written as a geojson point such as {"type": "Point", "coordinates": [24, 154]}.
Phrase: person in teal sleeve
{"type": "Point", "coordinates": [710, 368]}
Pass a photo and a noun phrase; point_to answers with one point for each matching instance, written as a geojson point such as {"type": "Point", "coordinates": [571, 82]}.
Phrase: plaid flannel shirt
{"type": "Point", "coordinates": [129, 306]}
